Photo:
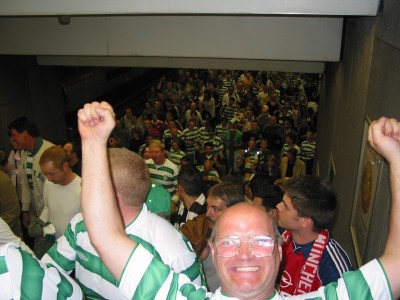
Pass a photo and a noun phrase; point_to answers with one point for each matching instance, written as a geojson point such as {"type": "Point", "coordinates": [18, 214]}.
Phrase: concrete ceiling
{"type": "Point", "coordinates": [293, 35]}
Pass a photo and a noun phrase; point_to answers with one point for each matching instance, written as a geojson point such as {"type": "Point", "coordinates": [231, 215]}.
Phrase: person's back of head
{"type": "Point", "coordinates": [23, 123]}
{"type": "Point", "coordinates": [270, 194]}
{"type": "Point", "coordinates": [191, 180]}
{"type": "Point", "coordinates": [77, 148]}
{"type": "Point", "coordinates": [72, 147]}
{"type": "Point", "coordinates": [260, 179]}
{"type": "Point", "coordinates": [130, 176]}
{"type": "Point", "coordinates": [313, 197]}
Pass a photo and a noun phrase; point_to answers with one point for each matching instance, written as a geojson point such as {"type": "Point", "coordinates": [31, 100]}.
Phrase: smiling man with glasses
{"type": "Point", "coordinates": [246, 252]}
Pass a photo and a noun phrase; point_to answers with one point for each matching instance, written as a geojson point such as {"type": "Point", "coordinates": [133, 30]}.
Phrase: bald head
{"type": "Point", "coordinates": [245, 213]}
{"type": "Point", "coordinates": [246, 275]}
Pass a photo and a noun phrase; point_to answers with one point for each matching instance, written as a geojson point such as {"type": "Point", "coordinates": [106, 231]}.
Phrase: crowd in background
{"type": "Point", "coordinates": [254, 122]}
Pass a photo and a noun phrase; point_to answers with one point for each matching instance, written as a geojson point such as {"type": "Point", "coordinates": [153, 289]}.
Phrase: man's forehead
{"type": "Point", "coordinates": [214, 201]}
{"type": "Point", "coordinates": [244, 219]}
{"type": "Point", "coordinates": [15, 132]}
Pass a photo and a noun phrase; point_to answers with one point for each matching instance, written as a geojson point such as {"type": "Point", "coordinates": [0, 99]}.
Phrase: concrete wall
{"type": "Point", "coordinates": [364, 83]}
{"type": "Point", "coordinates": [31, 91]}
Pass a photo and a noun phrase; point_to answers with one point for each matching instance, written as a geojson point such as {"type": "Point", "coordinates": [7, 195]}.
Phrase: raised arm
{"type": "Point", "coordinates": [384, 137]}
{"type": "Point", "coordinates": [99, 207]}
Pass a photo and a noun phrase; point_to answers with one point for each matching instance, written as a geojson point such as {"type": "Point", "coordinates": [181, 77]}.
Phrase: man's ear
{"type": "Point", "coordinates": [65, 166]}
{"type": "Point", "coordinates": [273, 212]}
{"type": "Point", "coordinates": [307, 222]}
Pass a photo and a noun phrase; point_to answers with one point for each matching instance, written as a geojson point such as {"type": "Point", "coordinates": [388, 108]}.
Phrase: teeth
{"type": "Point", "coordinates": [247, 269]}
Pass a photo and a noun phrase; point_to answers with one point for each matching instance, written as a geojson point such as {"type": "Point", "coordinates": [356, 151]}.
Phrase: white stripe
{"type": "Point", "coordinates": [376, 279]}
{"type": "Point", "coordinates": [135, 270]}
{"type": "Point", "coordinates": [337, 256]}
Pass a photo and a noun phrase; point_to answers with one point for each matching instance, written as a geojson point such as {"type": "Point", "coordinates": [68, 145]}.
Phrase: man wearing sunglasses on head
{"type": "Point", "coordinates": [245, 246]}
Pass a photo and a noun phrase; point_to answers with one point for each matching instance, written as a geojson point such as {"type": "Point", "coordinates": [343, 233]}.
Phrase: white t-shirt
{"type": "Point", "coordinates": [62, 203]}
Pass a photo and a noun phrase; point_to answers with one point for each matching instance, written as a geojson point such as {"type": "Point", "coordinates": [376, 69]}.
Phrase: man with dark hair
{"type": "Point", "coordinates": [24, 136]}
{"type": "Point", "coordinates": [74, 153]}
{"type": "Point", "coordinates": [131, 184]}
{"type": "Point", "coordinates": [307, 212]}
{"type": "Point", "coordinates": [266, 195]}
{"type": "Point", "coordinates": [190, 191]}
{"type": "Point", "coordinates": [291, 165]}
{"type": "Point", "coordinates": [307, 150]}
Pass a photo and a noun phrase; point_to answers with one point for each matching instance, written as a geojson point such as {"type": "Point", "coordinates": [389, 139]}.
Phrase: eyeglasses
{"type": "Point", "coordinates": [259, 245]}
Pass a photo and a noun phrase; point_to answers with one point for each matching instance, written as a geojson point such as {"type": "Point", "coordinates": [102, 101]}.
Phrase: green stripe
{"type": "Point", "coordinates": [173, 289]}
{"type": "Point", "coordinates": [359, 286]}
{"type": "Point", "coordinates": [152, 281]}
{"type": "Point", "coordinates": [80, 227]}
{"type": "Point", "coordinates": [32, 277]}
{"type": "Point", "coordinates": [149, 247]}
{"type": "Point", "coordinates": [188, 290]}
{"type": "Point", "coordinates": [166, 169]}
{"type": "Point", "coordinates": [65, 288]}
{"type": "Point", "coordinates": [151, 166]}
{"type": "Point", "coordinates": [156, 176]}
{"type": "Point", "coordinates": [65, 263]}
{"type": "Point", "coordinates": [3, 265]}
{"type": "Point", "coordinates": [330, 291]}
{"type": "Point", "coordinates": [93, 264]}
{"type": "Point", "coordinates": [193, 271]}
{"type": "Point", "coordinates": [61, 260]}
{"type": "Point", "coordinates": [89, 293]}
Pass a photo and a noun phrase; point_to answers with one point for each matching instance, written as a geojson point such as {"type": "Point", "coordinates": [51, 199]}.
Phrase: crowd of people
{"type": "Point", "coordinates": [254, 122]}
{"type": "Point", "coordinates": [207, 193]}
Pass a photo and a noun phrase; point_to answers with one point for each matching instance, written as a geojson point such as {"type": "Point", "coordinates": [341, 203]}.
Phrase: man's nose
{"type": "Point", "coordinates": [244, 250]}
{"type": "Point", "coordinates": [209, 212]}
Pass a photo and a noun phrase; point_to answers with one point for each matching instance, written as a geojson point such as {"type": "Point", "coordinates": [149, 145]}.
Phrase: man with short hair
{"type": "Point", "coordinates": [131, 184]}
{"type": "Point", "coordinates": [266, 195]}
{"type": "Point", "coordinates": [291, 165]}
{"type": "Point", "coordinates": [61, 190]}
{"type": "Point", "coordinates": [250, 159]}
{"type": "Point", "coordinates": [161, 169]}
{"type": "Point", "coordinates": [190, 135]}
{"type": "Point", "coordinates": [307, 150]}
{"type": "Point", "coordinates": [120, 136]}
{"type": "Point", "coordinates": [254, 132]}
{"type": "Point", "coordinates": [127, 121]}
{"type": "Point", "coordinates": [74, 153]}
{"type": "Point", "coordinates": [25, 136]}
{"type": "Point", "coordinates": [175, 152]}
{"type": "Point", "coordinates": [231, 94]}
{"type": "Point", "coordinates": [233, 143]}
{"type": "Point", "coordinates": [307, 212]}
{"type": "Point", "coordinates": [245, 245]}
{"type": "Point", "coordinates": [207, 170]}
{"type": "Point", "coordinates": [270, 133]}
{"type": "Point", "coordinates": [190, 192]}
